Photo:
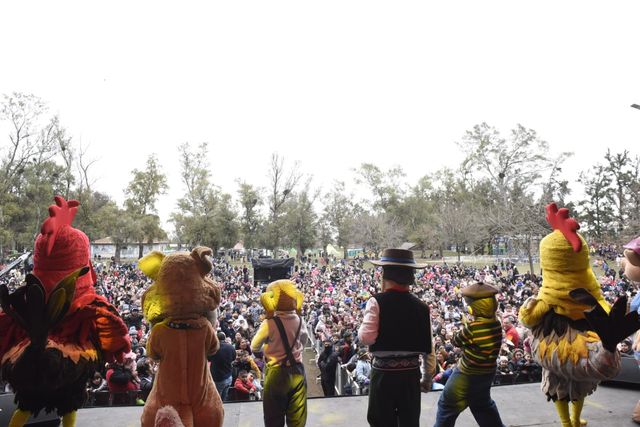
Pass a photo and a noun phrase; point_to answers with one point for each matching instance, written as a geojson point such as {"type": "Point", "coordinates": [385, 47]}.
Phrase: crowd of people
{"type": "Point", "coordinates": [336, 292]}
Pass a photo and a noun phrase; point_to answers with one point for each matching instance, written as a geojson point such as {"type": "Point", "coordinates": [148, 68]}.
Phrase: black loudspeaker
{"type": "Point", "coordinates": [268, 270]}
{"type": "Point", "coordinates": [42, 420]}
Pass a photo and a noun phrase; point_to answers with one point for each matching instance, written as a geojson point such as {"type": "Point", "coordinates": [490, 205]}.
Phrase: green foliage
{"type": "Point", "coordinates": [339, 217]}
{"type": "Point", "coordinates": [386, 187]}
{"type": "Point", "coordinates": [205, 215]}
{"type": "Point", "coordinates": [282, 184]}
{"type": "Point", "coordinates": [498, 192]}
{"type": "Point", "coordinates": [145, 187]}
{"type": "Point", "coordinates": [250, 201]}
{"type": "Point", "coordinates": [300, 221]}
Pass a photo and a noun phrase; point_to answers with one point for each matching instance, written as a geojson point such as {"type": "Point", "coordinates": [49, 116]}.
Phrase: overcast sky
{"type": "Point", "coordinates": [330, 84]}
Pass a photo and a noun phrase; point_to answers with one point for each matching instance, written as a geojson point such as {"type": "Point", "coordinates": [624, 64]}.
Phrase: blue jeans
{"type": "Point", "coordinates": [223, 388]}
{"type": "Point", "coordinates": [472, 391]}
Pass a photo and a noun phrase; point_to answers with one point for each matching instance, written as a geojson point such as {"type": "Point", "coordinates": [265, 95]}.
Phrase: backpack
{"type": "Point", "coordinates": [120, 376]}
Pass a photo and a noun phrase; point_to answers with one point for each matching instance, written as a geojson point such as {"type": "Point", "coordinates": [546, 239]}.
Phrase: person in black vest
{"type": "Point", "coordinates": [397, 328]}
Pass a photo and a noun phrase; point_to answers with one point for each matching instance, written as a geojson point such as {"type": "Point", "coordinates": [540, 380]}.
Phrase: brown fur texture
{"type": "Point", "coordinates": [178, 304]}
{"type": "Point", "coordinates": [182, 286]}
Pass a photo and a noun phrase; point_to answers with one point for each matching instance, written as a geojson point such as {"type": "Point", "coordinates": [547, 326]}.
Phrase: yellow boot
{"type": "Point", "coordinates": [69, 420]}
{"type": "Point", "coordinates": [576, 410]}
{"type": "Point", "coordinates": [562, 406]}
{"type": "Point", "coordinates": [19, 418]}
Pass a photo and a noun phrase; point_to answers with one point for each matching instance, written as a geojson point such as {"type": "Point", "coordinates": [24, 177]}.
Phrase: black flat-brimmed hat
{"type": "Point", "coordinates": [398, 257]}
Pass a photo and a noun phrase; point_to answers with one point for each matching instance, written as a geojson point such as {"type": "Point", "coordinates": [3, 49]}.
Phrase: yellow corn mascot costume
{"type": "Point", "coordinates": [178, 304]}
{"type": "Point", "coordinates": [283, 335]}
{"type": "Point", "coordinates": [575, 331]}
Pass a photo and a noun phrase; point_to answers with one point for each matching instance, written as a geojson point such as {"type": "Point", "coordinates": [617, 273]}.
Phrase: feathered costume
{"type": "Point", "coordinates": [575, 331]}
{"type": "Point", "coordinates": [55, 330]}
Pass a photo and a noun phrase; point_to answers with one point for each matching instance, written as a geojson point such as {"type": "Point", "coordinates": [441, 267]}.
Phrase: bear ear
{"type": "Point", "coordinates": [150, 264]}
{"type": "Point", "coordinates": [203, 255]}
{"type": "Point", "coordinates": [299, 301]}
{"type": "Point", "coordinates": [269, 301]}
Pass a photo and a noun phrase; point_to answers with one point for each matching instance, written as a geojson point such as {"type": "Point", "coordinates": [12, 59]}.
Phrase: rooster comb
{"type": "Point", "coordinates": [559, 220]}
{"type": "Point", "coordinates": [60, 215]}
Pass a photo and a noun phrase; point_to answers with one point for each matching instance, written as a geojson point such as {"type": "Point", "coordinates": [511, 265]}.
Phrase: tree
{"type": "Point", "coordinates": [118, 224]}
{"type": "Point", "coordinates": [459, 224]}
{"type": "Point", "coordinates": [28, 173]}
{"type": "Point", "coordinates": [386, 187]}
{"type": "Point", "coordinates": [417, 214]}
{"type": "Point", "coordinates": [142, 194]}
{"type": "Point", "coordinates": [376, 232]}
{"type": "Point", "coordinates": [301, 220]}
{"type": "Point", "coordinates": [596, 208]}
{"type": "Point", "coordinates": [281, 185]}
{"type": "Point", "coordinates": [225, 224]}
{"type": "Point", "coordinates": [250, 199]}
{"type": "Point", "coordinates": [339, 215]}
{"type": "Point", "coordinates": [205, 215]}
{"type": "Point", "coordinates": [619, 166]}
{"type": "Point", "coordinates": [515, 167]}
{"type": "Point", "coordinates": [634, 200]}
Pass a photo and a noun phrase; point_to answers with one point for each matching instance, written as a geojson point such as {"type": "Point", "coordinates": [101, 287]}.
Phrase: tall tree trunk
{"type": "Point", "coordinates": [140, 250]}
{"type": "Point", "coordinates": [117, 254]}
{"type": "Point", "coordinates": [530, 255]}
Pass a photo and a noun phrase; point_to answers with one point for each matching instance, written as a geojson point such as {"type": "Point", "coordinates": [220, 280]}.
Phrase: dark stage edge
{"type": "Point", "coordinates": [519, 405]}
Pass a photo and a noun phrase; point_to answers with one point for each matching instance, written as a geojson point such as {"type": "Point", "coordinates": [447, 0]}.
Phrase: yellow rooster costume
{"type": "Point", "coordinates": [575, 331]}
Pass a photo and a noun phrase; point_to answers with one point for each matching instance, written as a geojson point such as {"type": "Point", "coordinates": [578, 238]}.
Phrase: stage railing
{"type": "Point", "coordinates": [345, 383]}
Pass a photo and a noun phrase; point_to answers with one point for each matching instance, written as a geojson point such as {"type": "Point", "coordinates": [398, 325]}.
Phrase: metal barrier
{"type": "Point", "coordinates": [344, 382]}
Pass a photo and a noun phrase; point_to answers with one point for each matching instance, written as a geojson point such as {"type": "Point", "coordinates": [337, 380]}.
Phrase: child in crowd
{"type": "Point", "coordinates": [244, 386]}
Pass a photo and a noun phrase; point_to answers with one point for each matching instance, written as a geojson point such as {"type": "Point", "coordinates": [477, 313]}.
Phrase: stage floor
{"type": "Point", "coordinates": [519, 405]}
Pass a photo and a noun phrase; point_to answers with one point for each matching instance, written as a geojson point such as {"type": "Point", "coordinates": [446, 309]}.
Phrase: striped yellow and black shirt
{"type": "Point", "coordinates": [480, 341]}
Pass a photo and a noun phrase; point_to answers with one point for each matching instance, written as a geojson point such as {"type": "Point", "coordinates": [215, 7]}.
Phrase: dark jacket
{"type": "Point", "coordinates": [221, 362]}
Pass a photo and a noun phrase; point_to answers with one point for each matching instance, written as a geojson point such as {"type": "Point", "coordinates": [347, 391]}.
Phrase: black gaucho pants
{"type": "Point", "coordinates": [394, 398]}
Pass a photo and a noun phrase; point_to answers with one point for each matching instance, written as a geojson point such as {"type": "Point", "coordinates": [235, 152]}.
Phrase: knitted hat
{"type": "Point", "coordinates": [61, 249]}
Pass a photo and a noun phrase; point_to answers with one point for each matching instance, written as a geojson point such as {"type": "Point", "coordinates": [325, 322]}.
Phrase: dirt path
{"type": "Point", "coordinates": [314, 389]}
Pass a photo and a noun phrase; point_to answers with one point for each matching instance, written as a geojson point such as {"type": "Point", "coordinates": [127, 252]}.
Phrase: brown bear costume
{"type": "Point", "coordinates": [178, 304]}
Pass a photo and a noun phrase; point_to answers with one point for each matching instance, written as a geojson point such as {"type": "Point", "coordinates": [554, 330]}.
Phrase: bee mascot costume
{"type": "Point", "coordinates": [178, 304]}
{"type": "Point", "coordinates": [283, 335]}
{"type": "Point", "coordinates": [575, 331]}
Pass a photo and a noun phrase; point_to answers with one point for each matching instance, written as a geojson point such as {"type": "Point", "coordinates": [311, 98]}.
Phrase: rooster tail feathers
{"type": "Point", "coordinates": [8, 307]}
{"type": "Point", "coordinates": [31, 309]}
{"type": "Point", "coordinates": [62, 296]}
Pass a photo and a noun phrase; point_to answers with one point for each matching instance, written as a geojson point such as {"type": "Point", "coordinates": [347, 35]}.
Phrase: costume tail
{"type": "Point", "coordinates": [36, 314]}
{"type": "Point", "coordinates": [168, 417]}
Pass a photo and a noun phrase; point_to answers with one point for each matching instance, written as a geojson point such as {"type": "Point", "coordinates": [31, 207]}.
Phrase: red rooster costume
{"type": "Point", "coordinates": [55, 330]}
